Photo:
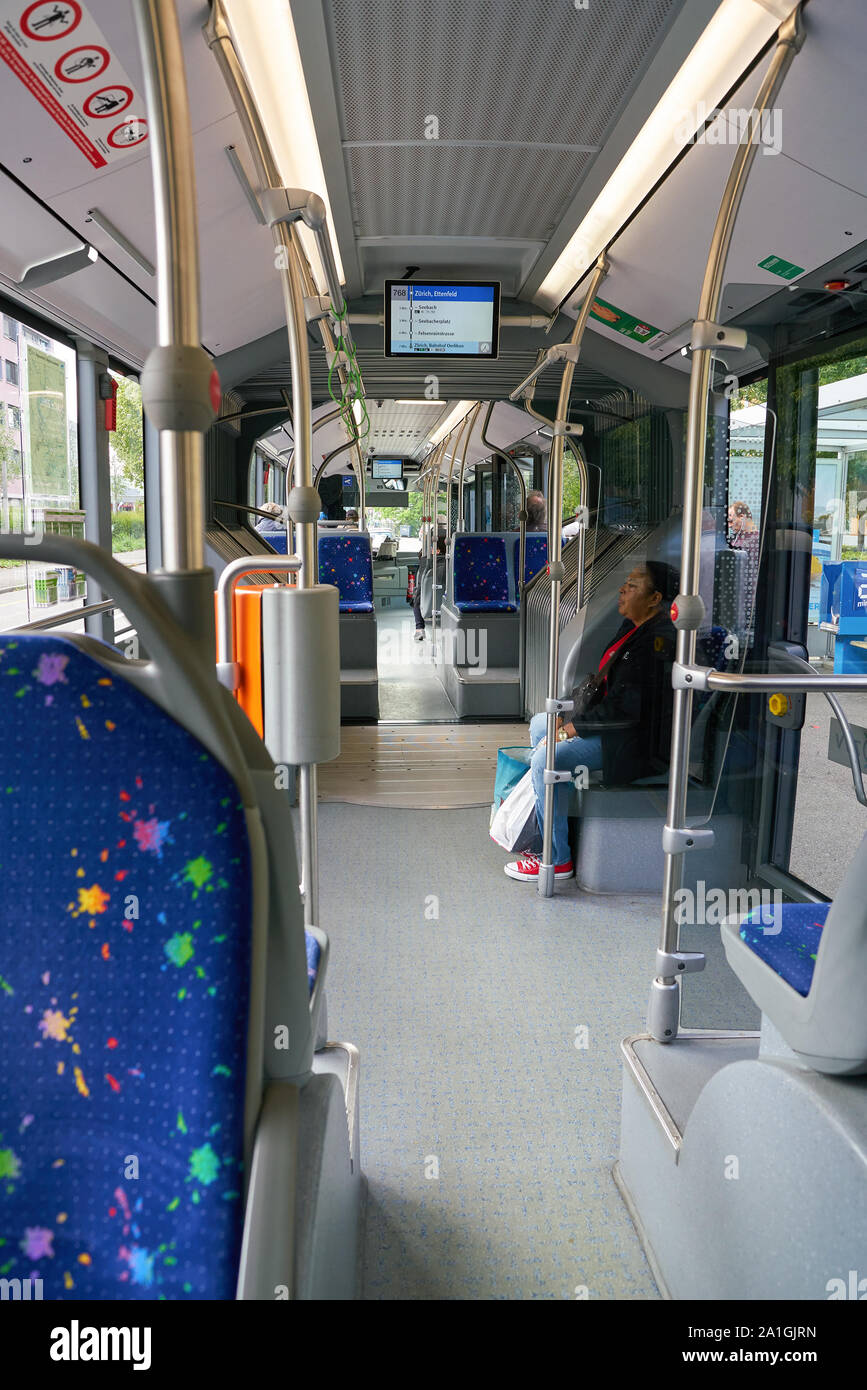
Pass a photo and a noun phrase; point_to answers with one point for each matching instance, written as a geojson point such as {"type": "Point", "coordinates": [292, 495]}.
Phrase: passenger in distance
{"type": "Point", "coordinates": [621, 722]}
{"type": "Point", "coordinates": [537, 511]}
{"type": "Point", "coordinates": [273, 521]}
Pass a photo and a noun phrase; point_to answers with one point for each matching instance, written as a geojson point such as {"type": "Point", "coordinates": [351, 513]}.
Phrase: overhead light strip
{"type": "Point", "coordinates": [267, 46]}
{"type": "Point", "coordinates": [454, 417]}
{"type": "Point", "coordinates": [730, 44]}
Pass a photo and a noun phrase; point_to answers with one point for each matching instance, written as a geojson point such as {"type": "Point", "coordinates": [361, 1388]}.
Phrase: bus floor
{"type": "Point", "coordinates": [409, 686]}
{"type": "Point", "coordinates": [489, 1022]}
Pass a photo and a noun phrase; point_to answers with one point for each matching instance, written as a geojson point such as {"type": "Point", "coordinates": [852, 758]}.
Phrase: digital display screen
{"type": "Point", "coordinates": [455, 318]}
{"type": "Point", "coordinates": [386, 468]}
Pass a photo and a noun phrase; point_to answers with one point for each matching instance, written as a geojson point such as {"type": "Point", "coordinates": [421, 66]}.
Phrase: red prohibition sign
{"type": "Point", "coordinates": [48, 20]}
{"type": "Point", "coordinates": [88, 71]}
{"type": "Point", "coordinates": [114, 110]}
{"type": "Point", "coordinates": [128, 144]}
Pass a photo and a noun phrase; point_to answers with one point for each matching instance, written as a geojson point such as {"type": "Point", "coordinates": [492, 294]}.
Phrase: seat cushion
{"type": "Point", "coordinates": [484, 606]}
{"type": "Point", "coordinates": [344, 560]}
{"type": "Point", "coordinates": [791, 951]}
{"type": "Point", "coordinates": [481, 576]}
{"type": "Point", "coordinates": [314, 951]}
{"type": "Point", "coordinates": [125, 953]}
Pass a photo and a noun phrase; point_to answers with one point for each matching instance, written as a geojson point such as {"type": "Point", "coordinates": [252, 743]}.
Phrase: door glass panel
{"type": "Point", "coordinates": [828, 823]}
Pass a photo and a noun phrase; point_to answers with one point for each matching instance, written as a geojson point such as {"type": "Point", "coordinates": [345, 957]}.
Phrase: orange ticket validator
{"type": "Point", "coordinates": [247, 628]}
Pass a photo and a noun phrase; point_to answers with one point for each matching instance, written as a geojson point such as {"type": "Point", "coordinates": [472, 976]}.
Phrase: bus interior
{"type": "Point", "coordinates": [357, 357]}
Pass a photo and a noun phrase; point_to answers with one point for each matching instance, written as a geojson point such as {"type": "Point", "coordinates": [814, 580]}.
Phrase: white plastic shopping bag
{"type": "Point", "coordinates": [514, 823]}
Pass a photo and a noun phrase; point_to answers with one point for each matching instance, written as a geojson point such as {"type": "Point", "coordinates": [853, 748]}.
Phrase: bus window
{"type": "Point", "coordinates": [126, 464]}
{"type": "Point", "coordinates": [39, 483]}
{"type": "Point", "coordinates": [823, 451]}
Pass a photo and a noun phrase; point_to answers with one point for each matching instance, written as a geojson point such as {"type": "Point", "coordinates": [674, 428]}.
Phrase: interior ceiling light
{"type": "Point", "coordinates": [460, 411]}
{"type": "Point", "coordinates": [267, 46]}
{"type": "Point", "coordinates": [731, 42]}
{"type": "Point", "coordinates": [424, 402]}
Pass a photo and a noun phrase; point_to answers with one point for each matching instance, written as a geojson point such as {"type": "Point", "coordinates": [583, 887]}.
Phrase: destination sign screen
{"type": "Point", "coordinates": [439, 318]}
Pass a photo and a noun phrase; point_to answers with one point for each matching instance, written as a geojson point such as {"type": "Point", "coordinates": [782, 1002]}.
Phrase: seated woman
{"type": "Point", "coordinates": [625, 728]}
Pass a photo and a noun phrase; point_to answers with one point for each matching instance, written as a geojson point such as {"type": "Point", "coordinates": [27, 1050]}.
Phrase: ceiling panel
{"type": "Point", "coordinates": [481, 120]}
{"type": "Point", "coordinates": [804, 214]}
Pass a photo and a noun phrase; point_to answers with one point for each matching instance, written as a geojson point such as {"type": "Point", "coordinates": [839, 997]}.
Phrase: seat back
{"type": "Point", "coordinates": [480, 574]}
{"type": "Point", "coordinates": [278, 540]}
{"type": "Point", "coordinates": [535, 554]}
{"type": "Point", "coordinates": [344, 560]}
{"type": "Point", "coordinates": [126, 969]}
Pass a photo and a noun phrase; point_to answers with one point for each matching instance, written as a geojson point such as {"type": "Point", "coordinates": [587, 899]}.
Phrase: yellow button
{"type": "Point", "coordinates": [778, 704]}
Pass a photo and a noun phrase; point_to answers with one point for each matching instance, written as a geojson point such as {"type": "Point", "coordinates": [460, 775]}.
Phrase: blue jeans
{"type": "Point", "coordinates": [572, 753]}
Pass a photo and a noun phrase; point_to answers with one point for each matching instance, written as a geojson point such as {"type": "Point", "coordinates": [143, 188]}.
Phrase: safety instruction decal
{"type": "Point", "coordinates": [787, 270]}
{"type": "Point", "coordinates": [622, 322]}
{"type": "Point", "coordinates": [61, 56]}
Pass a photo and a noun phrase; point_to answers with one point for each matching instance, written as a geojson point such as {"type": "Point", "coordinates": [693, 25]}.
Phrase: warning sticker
{"type": "Point", "coordinates": [622, 322]}
{"type": "Point", "coordinates": [62, 58]}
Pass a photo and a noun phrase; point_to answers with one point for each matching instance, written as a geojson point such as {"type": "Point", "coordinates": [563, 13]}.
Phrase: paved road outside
{"type": "Point", "coordinates": [17, 606]}
{"type": "Point", "coordinates": [829, 822]}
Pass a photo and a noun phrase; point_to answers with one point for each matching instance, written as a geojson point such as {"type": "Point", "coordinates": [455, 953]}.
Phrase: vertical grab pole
{"type": "Point", "coordinates": [461, 448]}
{"type": "Point", "coordinates": [303, 500]}
{"type": "Point", "coordinates": [434, 536]}
{"type": "Point", "coordinates": [180, 388]}
{"type": "Point", "coordinates": [555, 569]}
{"type": "Point", "coordinates": [522, 542]}
{"type": "Point", "coordinates": [688, 610]}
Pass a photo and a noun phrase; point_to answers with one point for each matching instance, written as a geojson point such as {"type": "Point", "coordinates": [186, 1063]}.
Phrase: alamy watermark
{"type": "Point", "coordinates": [710, 907]}
{"type": "Point", "coordinates": [708, 125]}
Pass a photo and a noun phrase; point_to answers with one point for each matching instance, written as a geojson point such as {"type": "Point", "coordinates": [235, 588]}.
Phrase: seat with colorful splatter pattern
{"type": "Point", "coordinates": [344, 560]}
{"type": "Point", "coordinates": [535, 554]}
{"type": "Point", "coordinates": [787, 939]}
{"type": "Point", "coordinates": [125, 957]}
{"type": "Point", "coordinates": [481, 575]}
{"type": "Point", "coordinates": [805, 965]}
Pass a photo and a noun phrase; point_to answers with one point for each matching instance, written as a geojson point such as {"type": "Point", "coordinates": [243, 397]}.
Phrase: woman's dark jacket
{"type": "Point", "coordinates": [636, 706]}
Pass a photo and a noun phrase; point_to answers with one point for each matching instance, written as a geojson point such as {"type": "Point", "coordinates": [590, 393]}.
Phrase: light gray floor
{"type": "Point", "coordinates": [829, 822]}
{"type": "Point", "coordinates": [464, 991]}
{"type": "Point", "coordinates": [409, 687]}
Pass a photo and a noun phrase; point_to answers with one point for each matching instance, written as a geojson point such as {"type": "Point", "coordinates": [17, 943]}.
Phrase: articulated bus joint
{"type": "Point", "coordinates": [678, 839]}
{"type": "Point", "coordinates": [707, 336]}
{"type": "Point", "coordinates": [293, 205]}
{"type": "Point", "coordinates": [690, 677]}
{"type": "Point", "coordinates": [670, 964]}
{"type": "Point", "coordinates": [554, 706]}
{"type": "Point", "coordinates": [229, 675]}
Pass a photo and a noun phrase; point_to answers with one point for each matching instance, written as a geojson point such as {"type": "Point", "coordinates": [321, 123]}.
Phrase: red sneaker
{"type": "Point", "coordinates": [526, 869]}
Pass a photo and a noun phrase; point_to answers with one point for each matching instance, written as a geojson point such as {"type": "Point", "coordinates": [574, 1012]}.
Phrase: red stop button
{"type": "Point", "coordinates": [216, 393]}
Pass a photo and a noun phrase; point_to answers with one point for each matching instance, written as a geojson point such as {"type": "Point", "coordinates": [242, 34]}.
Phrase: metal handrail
{"type": "Point", "coordinates": [663, 1013]}
{"type": "Point", "coordinates": [228, 671]}
{"type": "Point", "coordinates": [555, 564]}
{"type": "Point", "coordinates": [44, 624]}
{"type": "Point", "coordinates": [182, 452]}
{"type": "Point", "coordinates": [520, 586]}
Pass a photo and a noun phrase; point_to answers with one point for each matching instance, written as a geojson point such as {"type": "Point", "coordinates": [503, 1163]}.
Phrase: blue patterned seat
{"type": "Point", "coordinates": [278, 540]}
{"type": "Point", "coordinates": [344, 561]}
{"type": "Point", "coordinates": [791, 951]}
{"type": "Point", "coordinates": [535, 553]}
{"type": "Point", "coordinates": [314, 951]}
{"type": "Point", "coordinates": [481, 576]}
{"type": "Point", "coordinates": [125, 952]}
